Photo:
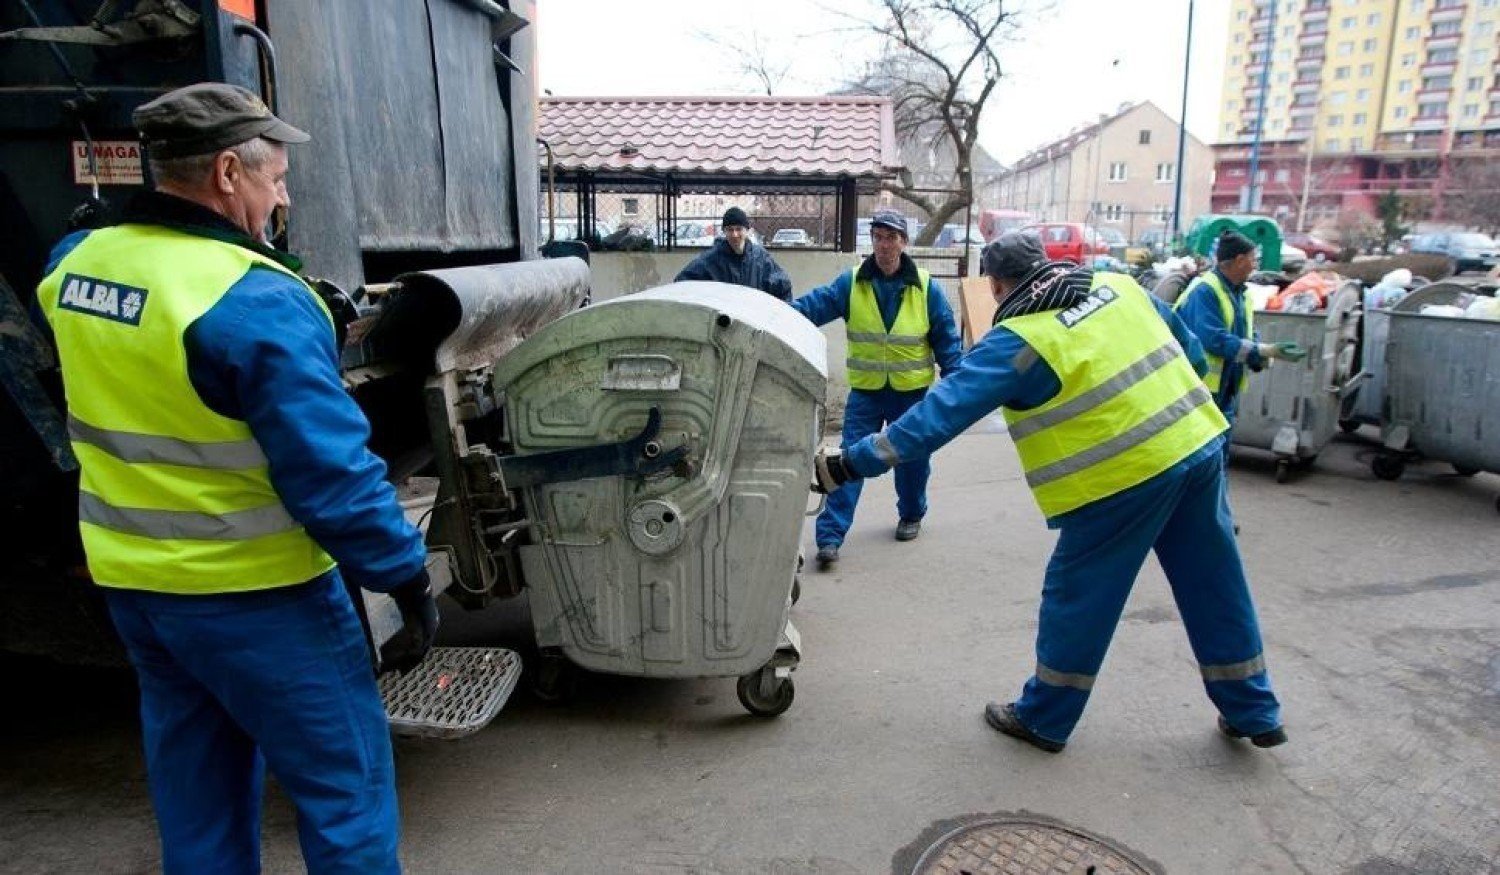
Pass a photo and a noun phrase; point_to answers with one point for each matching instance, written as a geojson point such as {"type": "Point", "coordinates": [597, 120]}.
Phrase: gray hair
{"type": "Point", "coordinates": [190, 170]}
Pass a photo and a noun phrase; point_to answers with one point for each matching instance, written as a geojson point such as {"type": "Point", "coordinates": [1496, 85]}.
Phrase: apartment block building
{"type": "Point", "coordinates": [1119, 172]}
{"type": "Point", "coordinates": [1354, 98]}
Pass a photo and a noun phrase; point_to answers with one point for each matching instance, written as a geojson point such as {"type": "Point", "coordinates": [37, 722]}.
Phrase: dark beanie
{"type": "Point", "coordinates": [1013, 255]}
{"type": "Point", "coordinates": [734, 216]}
{"type": "Point", "coordinates": [1233, 244]}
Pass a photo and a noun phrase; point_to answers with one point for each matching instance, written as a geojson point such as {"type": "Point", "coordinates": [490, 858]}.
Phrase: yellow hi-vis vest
{"type": "Point", "coordinates": [1215, 376]}
{"type": "Point", "coordinates": [1130, 407]}
{"type": "Point", "coordinates": [900, 357]}
{"type": "Point", "coordinates": [174, 497]}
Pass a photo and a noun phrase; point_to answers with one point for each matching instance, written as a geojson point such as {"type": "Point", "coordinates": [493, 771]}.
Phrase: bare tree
{"type": "Point", "coordinates": [1473, 194]}
{"type": "Point", "coordinates": [753, 54]}
{"type": "Point", "coordinates": [940, 65]}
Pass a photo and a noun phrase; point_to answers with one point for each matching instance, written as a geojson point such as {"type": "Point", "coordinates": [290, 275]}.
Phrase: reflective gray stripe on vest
{"type": "Point", "coordinates": [1139, 370]}
{"type": "Point", "coordinates": [892, 339]}
{"type": "Point", "coordinates": [1056, 678]}
{"type": "Point", "coordinates": [886, 450]}
{"type": "Point", "coordinates": [1235, 671]}
{"type": "Point", "coordinates": [920, 364]}
{"type": "Point", "coordinates": [1164, 419]}
{"type": "Point", "coordinates": [133, 447]}
{"type": "Point", "coordinates": [240, 525]}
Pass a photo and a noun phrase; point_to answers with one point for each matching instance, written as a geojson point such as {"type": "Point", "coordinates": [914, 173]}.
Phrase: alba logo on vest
{"type": "Point", "coordinates": [1082, 310]}
{"type": "Point", "coordinates": [96, 297]}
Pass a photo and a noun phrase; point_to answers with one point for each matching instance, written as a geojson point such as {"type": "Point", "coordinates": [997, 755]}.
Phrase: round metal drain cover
{"type": "Point", "coordinates": [1025, 847]}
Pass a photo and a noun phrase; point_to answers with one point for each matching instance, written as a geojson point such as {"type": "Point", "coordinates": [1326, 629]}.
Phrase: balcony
{"type": "Point", "coordinates": [1315, 11]}
{"type": "Point", "coordinates": [1438, 68]}
{"type": "Point", "coordinates": [1306, 111]}
{"type": "Point", "coordinates": [1309, 60]}
{"type": "Point", "coordinates": [1444, 41]}
{"type": "Point", "coordinates": [1449, 11]}
{"type": "Point", "coordinates": [1307, 86]}
{"type": "Point", "coordinates": [1312, 38]}
{"type": "Point", "coordinates": [1435, 95]}
{"type": "Point", "coordinates": [1430, 123]}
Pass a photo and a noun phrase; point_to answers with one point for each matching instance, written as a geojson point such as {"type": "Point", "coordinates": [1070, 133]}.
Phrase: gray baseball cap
{"type": "Point", "coordinates": [1013, 255]}
{"type": "Point", "coordinates": [207, 117]}
{"type": "Point", "coordinates": [890, 219]}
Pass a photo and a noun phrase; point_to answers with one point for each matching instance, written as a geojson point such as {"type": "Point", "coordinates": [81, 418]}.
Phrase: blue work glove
{"type": "Point", "coordinates": [830, 471]}
{"type": "Point", "coordinates": [419, 625]}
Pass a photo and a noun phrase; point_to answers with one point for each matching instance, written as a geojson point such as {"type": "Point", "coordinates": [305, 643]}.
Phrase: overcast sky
{"type": "Point", "coordinates": [1071, 61]}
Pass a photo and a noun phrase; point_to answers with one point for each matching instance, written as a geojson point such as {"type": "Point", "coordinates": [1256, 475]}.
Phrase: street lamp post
{"type": "Point", "coordinates": [1187, 58]}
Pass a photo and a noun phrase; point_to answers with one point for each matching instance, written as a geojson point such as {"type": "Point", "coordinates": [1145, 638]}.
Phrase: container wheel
{"type": "Point", "coordinates": [764, 694]}
{"type": "Point", "coordinates": [555, 680]}
{"type": "Point", "coordinates": [1387, 467]}
{"type": "Point", "coordinates": [1348, 426]}
{"type": "Point", "coordinates": [1464, 470]}
{"type": "Point", "coordinates": [1283, 470]}
{"type": "Point", "coordinates": [796, 589]}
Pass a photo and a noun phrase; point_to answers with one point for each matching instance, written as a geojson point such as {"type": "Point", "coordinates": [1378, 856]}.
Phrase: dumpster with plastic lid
{"type": "Point", "coordinates": [1263, 231]}
{"type": "Point", "coordinates": [687, 573]}
{"type": "Point", "coordinates": [1292, 408]}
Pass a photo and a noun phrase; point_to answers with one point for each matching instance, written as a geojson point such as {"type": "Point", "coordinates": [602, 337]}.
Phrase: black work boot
{"type": "Point", "coordinates": [1269, 738]}
{"type": "Point", "coordinates": [1002, 718]}
{"type": "Point", "coordinates": [908, 530]}
{"type": "Point", "coordinates": [828, 556]}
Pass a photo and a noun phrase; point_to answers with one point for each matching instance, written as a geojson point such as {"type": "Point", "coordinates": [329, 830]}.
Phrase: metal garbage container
{"type": "Point", "coordinates": [1442, 392]}
{"type": "Point", "coordinates": [1292, 408]}
{"type": "Point", "coordinates": [687, 573]}
{"type": "Point", "coordinates": [1364, 404]}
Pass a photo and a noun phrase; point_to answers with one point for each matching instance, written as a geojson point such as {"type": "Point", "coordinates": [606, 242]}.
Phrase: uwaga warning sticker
{"type": "Point", "coordinates": [118, 162]}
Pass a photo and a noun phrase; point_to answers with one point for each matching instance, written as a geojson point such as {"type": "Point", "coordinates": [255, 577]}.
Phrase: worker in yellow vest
{"type": "Point", "coordinates": [1120, 444]}
{"type": "Point", "coordinates": [901, 331]}
{"type": "Point", "coordinates": [226, 494]}
{"type": "Point", "coordinates": [1217, 309]}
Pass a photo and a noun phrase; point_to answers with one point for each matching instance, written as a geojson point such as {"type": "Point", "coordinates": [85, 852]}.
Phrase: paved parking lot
{"type": "Point", "coordinates": [1381, 608]}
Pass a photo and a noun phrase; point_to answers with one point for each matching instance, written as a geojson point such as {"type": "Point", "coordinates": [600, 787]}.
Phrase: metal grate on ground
{"type": "Point", "coordinates": [1021, 847]}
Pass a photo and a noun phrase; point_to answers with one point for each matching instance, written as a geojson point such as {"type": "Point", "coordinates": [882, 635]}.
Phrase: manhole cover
{"type": "Point", "coordinates": [1024, 847]}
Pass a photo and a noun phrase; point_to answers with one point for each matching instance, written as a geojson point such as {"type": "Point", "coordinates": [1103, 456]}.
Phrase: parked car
{"type": "Point", "coordinates": [1070, 241]}
{"type": "Point", "coordinates": [1469, 250]}
{"type": "Point", "coordinates": [567, 229]}
{"type": "Point", "coordinates": [993, 223]}
{"type": "Point", "coordinates": [696, 233]}
{"type": "Point", "coordinates": [1318, 250]}
{"type": "Point", "coordinates": [1293, 259]}
{"type": "Point", "coordinates": [791, 237]}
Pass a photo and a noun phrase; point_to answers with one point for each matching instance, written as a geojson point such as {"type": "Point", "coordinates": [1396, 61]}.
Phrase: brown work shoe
{"type": "Point", "coordinates": [1002, 718]}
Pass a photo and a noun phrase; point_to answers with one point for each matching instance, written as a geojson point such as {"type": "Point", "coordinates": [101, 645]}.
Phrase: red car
{"type": "Point", "coordinates": [1070, 241]}
{"type": "Point", "coordinates": [1317, 250]}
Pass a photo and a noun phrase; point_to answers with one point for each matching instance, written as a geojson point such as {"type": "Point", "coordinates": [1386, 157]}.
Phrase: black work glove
{"type": "Point", "coordinates": [419, 624]}
{"type": "Point", "coordinates": [829, 470]}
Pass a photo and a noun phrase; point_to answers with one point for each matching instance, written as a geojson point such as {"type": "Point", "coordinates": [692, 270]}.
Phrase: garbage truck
{"type": "Point", "coordinates": [415, 213]}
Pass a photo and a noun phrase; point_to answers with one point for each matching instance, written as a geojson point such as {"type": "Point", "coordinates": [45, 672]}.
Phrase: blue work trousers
{"type": "Point", "coordinates": [866, 413]}
{"type": "Point", "coordinates": [1183, 515]}
{"type": "Point", "coordinates": [232, 684]}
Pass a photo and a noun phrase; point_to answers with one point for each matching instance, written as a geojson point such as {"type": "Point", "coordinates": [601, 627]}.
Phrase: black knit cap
{"type": "Point", "coordinates": [735, 217]}
{"type": "Point", "coordinates": [1233, 244]}
{"type": "Point", "coordinates": [1013, 255]}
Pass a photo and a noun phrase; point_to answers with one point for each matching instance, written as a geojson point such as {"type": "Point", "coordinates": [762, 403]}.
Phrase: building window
{"type": "Point", "coordinates": [1341, 73]}
{"type": "Point", "coordinates": [1331, 144]}
{"type": "Point", "coordinates": [1278, 101]}
{"type": "Point", "coordinates": [1337, 97]}
{"type": "Point", "coordinates": [1348, 22]}
{"type": "Point", "coordinates": [1475, 83]}
{"type": "Point", "coordinates": [1239, 38]}
{"type": "Point", "coordinates": [1447, 28]}
{"type": "Point", "coordinates": [1114, 213]}
{"type": "Point", "coordinates": [1370, 45]}
{"type": "Point", "coordinates": [1366, 70]}
{"type": "Point", "coordinates": [1283, 78]}
{"type": "Point", "coordinates": [1404, 86]}
{"type": "Point", "coordinates": [1164, 172]}
{"type": "Point", "coordinates": [1471, 110]}
{"type": "Point", "coordinates": [1413, 33]}
{"type": "Point", "coordinates": [1432, 110]}
{"type": "Point", "coordinates": [1283, 174]}
{"type": "Point", "coordinates": [1117, 171]}
{"type": "Point", "coordinates": [1346, 48]}
{"type": "Point", "coordinates": [1334, 120]}
{"type": "Point", "coordinates": [1145, 138]}
{"type": "Point", "coordinates": [1408, 59]}
{"type": "Point", "coordinates": [1240, 16]}
{"type": "Point", "coordinates": [1398, 112]}
{"type": "Point", "coordinates": [1483, 28]}
{"type": "Point", "coordinates": [1356, 144]}
{"type": "Point", "coordinates": [1362, 95]}
{"type": "Point", "coordinates": [1160, 212]}
{"type": "Point", "coordinates": [1360, 118]}
{"type": "Point", "coordinates": [1373, 20]}
{"type": "Point", "coordinates": [1416, 5]}
{"type": "Point", "coordinates": [1450, 56]}
{"type": "Point", "coordinates": [1229, 105]}
{"type": "Point", "coordinates": [630, 206]}
{"type": "Point", "coordinates": [1477, 58]}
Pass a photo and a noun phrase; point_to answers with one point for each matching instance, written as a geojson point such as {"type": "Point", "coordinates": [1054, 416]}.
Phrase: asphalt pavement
{"type": "Point", "coordinates": [1380, 604]}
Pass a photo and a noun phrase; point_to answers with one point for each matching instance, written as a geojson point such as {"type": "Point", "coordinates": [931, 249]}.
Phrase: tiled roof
{"type": "Point", "coordinates": [750, 136]}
